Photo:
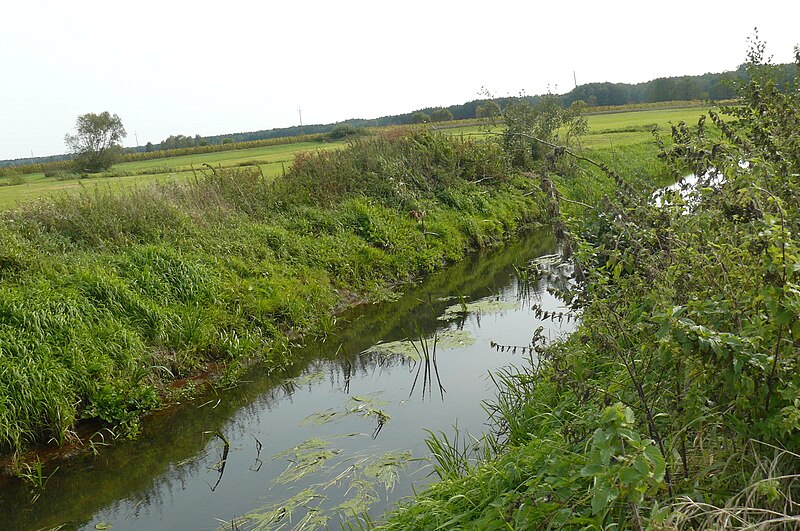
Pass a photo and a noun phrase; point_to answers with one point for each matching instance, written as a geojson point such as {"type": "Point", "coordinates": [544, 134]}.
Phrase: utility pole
{"type": "Point", "coordinates": [137, 138]}
{"type": "Point", "coordinates": [575, 78]}
{"type": "Point", "coordinates": [300, 112]}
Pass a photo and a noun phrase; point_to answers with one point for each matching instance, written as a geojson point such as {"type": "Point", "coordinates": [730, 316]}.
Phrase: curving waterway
{"type": "Point", "coordinates": [341, 434]}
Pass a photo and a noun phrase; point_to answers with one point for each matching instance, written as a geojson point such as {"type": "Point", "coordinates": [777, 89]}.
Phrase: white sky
{"type": "Point", "coordinates": [212, 67]}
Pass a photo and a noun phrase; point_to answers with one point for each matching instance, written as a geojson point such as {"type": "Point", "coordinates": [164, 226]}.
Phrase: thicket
{"type": "Point", "coordinates": [108, 297]}
{"type": "Point", "coordinates": [676, 403]}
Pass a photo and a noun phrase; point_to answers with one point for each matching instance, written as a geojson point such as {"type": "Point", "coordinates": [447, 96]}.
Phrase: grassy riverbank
{"type": "Point", "coordinates": [675, 404]}
{"type": "Point", "coordinates": [107, 297]}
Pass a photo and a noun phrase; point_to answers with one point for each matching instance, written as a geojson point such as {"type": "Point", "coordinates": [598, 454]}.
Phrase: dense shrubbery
{"type": "Point", "coordinates": [676, 404]}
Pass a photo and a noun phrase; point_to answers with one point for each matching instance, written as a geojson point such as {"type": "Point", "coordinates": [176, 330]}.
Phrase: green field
{"type": "Point", "coordinates": [270, 159]}
{"type": "Point", "coordinates": [614, 128]}
{"type": "Point", "coordinates": [607, 130]}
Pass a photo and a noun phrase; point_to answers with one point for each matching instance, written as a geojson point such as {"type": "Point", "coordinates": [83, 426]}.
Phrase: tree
{"type": "Point", "coordinates": [490, 110]}
{"type": "Point", "coordinates": [532, 129]}
{"type": "Point", "coordinates": [420, 118]}
{"type": "Point", "coordinates": [441, 115]}
{"type": "Point", "coordinates": [96, 141]}
{"type": "Point", "coordinates": [345, 130]}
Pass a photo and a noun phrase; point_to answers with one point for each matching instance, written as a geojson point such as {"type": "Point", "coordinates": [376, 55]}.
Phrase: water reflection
{"type": "Point", "coordinates": [221, 456]}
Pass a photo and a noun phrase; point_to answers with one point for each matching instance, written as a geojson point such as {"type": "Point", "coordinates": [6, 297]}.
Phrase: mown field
{"type": "Point", "coordinates": [271, 161]}
{"type": "Point", "coordinates": [606, 131]}
{"type": "Point", "coordinates": [613, 128]}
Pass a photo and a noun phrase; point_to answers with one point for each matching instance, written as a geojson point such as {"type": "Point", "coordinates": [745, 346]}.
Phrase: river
{"type": "Point", "coordinates": [341, 433]}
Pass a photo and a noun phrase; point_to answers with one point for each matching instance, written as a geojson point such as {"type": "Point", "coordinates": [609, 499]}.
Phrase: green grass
{"type": "Point", "coordinates": [267, 155]}
{"type": "Point", "coordinates": [109, 293]}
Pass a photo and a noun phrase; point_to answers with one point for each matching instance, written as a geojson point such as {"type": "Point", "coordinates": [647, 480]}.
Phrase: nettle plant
{"type": "Point", "coordinates": [692, 304]}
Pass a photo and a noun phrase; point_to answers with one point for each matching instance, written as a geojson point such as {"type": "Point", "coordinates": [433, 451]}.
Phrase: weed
{"type": "Point", "coordinates": [34, 474]}
{"type": "Point", "coordinates": [425, 361]}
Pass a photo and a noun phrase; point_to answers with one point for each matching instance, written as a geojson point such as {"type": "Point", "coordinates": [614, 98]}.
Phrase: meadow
{"type": "Point", "coordinates": [607, 131]}
{"type": "Point", "coordinates": [270, 160]}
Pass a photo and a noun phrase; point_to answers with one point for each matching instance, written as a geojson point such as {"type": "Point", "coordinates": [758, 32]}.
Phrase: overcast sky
{"type": "Point", "coordinates": [199, 67]}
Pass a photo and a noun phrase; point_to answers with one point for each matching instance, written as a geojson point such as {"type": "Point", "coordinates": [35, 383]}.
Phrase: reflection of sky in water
{"type": "Point", "coordinates": [174, 491]}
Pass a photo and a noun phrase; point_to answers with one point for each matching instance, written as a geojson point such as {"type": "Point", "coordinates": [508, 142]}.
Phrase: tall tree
{"type": "Point", "coordinates": [96, 141]}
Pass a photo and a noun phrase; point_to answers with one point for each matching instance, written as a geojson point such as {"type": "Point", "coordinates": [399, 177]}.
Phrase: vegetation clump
{"type": "Point", "coordinates": [107, 297]}
{"type": "Point", "coordinates": [676, 403]}
{"type": "Point", "coordinates": [343, 131]}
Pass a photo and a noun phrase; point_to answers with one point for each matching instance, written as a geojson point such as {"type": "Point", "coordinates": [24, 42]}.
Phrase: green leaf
{"type": "Point", "coordinates": [630, 475]}
{"type": "Point", "coordinates": [592, 469]}
{"type": "Point", "coordinates": [653, 454]}
{"type": "Point", "coordinates": [640, 463]}
{"type": "Point", "coordinates": [604, 494]}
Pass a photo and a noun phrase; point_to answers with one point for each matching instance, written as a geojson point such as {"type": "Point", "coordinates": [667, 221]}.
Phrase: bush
{"type": "Point", "coordinates": [345, 130]}
{"type": "Point", "coordinates": [441, 115]}
{"type": "Point", "coordinates": [420, 118]}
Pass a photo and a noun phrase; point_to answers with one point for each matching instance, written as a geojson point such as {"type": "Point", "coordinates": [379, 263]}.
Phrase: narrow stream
{"type": "Point", "coordinates": [342, 434]}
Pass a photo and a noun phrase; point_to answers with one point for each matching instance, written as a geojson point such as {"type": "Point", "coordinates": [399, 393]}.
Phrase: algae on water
{"type": "Point", "coordinates": [447, 339]}
{"type": "Point", "coordinates": [308, 378]}
{"type": "Point", "coordinates": [363, 405]}
{"type": "Point", "coordinates": [384, 469]}
{"type": "Point", "coordinates": [306, 458]}
{"type": "Point", "coordinates": [359, 477]}
{"type": "Point", "coordinates": [482, 307]}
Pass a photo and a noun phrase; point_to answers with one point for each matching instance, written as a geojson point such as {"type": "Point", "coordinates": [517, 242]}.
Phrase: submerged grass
{"type": "Point", "coordinates": [106, 297]}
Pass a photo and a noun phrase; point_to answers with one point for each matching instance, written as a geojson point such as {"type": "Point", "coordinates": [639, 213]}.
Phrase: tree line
{"type": "Point", "coordinates": [710, 86]}
{"type": "Point", "coordinates": [713, 87]}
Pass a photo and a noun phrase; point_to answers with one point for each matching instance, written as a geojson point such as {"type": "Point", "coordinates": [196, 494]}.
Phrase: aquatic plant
{"type": "Point", "coordinates": [357, 478]}
{"type": "Point", "coordinates": [425, 360]}
{"type": "Point", "coordinates": [34, 474]}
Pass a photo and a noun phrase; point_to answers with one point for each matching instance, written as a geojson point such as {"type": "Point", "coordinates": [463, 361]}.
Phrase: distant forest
{"type": "Point", "coordinates": [712, 87]}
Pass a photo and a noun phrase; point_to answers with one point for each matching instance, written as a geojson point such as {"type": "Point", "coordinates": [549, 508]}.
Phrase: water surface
{"type": "Point", "coordinates": [347, 411]}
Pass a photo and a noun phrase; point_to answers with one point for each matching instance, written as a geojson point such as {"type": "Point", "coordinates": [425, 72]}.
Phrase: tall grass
{"type": "Point", "coordinates": [107, 296]}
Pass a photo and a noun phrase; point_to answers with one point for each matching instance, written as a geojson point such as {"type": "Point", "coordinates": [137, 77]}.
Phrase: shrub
{"type": "Point", "coordinates": [345, 130]}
